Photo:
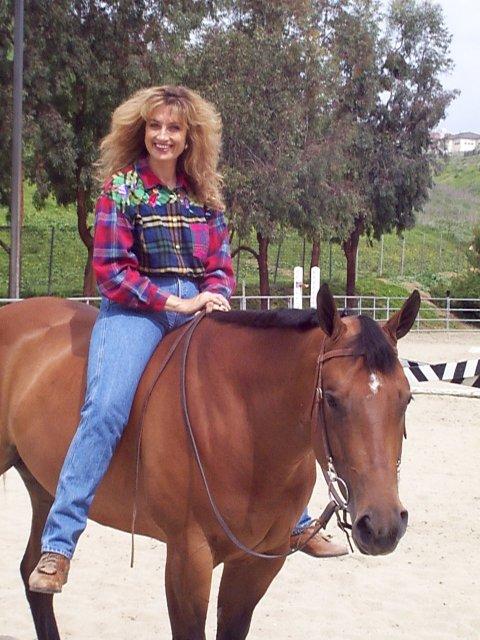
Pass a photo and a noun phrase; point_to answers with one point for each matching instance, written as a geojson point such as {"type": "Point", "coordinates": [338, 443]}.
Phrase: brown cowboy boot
{"type": "Point", "coordinates": [50, 574]}
{"type": "Point", "coordinates": [320, 546]}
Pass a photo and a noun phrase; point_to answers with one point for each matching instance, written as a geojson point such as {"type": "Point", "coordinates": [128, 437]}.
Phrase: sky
{"type": "Point", "coordinates": [462, 18]}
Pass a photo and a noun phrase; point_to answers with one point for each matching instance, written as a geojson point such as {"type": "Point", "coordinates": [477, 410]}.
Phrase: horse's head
{"type": "Point", "coordinates": [363, 397]}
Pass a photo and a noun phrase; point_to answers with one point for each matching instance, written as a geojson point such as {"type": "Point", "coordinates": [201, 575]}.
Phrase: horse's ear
{"type": "Point", "coordinates": [402, 321]}
{"type": "Point", "coordinates": [327, 313]}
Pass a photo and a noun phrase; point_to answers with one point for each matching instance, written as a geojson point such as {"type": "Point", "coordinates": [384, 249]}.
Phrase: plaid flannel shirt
{"type": "Point", "coordinates": [144, 229]}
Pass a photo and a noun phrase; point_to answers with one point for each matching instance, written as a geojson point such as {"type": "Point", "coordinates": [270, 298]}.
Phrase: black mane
{"type": "Point", "coordinates": [372, 341]}
{"type": "Point", "coordinates": [280, 318]}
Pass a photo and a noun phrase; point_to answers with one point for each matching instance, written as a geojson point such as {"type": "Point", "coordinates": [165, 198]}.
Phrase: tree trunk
{"type": "Point", "coordinates": [263, 267]}
{"type": "Point", "coordinates": [89, 285]}
{"type": "Point", "coordinates": [350, 247]}
{"type": "Point", "coordinates": [315, 256]}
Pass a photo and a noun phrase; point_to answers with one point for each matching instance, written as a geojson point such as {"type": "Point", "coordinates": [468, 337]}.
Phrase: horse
{"type": "Point", "coordinates": [268, 394]}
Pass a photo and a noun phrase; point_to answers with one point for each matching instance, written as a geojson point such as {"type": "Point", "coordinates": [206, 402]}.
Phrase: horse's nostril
{"type": "Point", "coordinates": [404, 516]}
{"type": "Point", "coordinates": [364, 527]}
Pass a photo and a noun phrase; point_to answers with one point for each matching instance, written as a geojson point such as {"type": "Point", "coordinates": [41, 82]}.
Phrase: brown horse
{"type": "Point", "coordinates": [263, 406]}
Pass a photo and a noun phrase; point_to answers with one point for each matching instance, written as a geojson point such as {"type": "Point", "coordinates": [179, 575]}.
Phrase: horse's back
{"type": "Point", "coordinates": [43, 352]}
{"type": "Point", "coordinates": [27, 318]}
{"type": "Point", "coordinates": [43, 361]}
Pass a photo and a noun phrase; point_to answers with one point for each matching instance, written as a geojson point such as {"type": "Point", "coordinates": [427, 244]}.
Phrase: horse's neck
{"type": "Point", "coordinates": [271, 371]}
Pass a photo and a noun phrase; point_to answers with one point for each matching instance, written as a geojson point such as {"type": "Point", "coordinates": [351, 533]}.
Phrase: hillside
{"type": "Point", "coordinates": [455, 199]}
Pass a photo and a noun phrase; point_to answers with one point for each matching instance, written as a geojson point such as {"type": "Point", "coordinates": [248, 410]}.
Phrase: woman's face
{"type": "Point", "coordinates": [165, 135]}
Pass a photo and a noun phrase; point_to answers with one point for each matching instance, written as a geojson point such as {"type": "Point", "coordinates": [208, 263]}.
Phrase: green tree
{"type": "Point", "coordinates": [6, 77]}
{"type": "Point", "coordinates": [400, 75]}
{"type": "Point", "coordinates": [250, 65]}
{"type": "Point", "coordinates": [82, 58]}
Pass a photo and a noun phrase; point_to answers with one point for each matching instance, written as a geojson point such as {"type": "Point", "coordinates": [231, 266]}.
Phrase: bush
{"type": "Point", "coordinates": [463, 287]}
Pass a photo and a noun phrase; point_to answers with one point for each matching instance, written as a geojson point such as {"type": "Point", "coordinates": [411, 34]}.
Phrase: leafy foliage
{"type": "Point", "coordinates": [81, 60]}
{"type": "Point", "coordinates": [327, 110]}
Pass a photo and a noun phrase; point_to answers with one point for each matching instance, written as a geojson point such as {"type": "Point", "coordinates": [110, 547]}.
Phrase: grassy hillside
{"type": "Point", "coordinates": [432, 252]}
{"type": "Point", "coordinates": [455, 201]}
{"type": "Point", "coordinates": [462, 174]}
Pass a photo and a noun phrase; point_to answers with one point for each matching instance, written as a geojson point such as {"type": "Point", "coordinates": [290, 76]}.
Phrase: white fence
{"type": "Point", "coordinates": [436, 314]}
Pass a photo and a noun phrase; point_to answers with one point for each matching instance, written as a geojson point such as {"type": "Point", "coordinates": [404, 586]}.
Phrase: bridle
{"type": "Point", "coordinates": [337, 487]}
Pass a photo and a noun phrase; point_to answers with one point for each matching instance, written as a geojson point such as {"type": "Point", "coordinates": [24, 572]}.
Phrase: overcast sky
{"type": "Point", "coordinates": [462, 18]}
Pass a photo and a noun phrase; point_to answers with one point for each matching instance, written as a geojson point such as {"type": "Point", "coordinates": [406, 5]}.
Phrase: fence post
{"type": "Point", "coordinates": [388, 308]}
{"type": "Point", "coordinates": [330, 260]}
{"type": "Point", "coordinates": [441, 248]}
{"type": "Point", "coordinates": [381, 256]}
{"type": "Point", "coordinates": [277, 261]}
{"type": "Point", "coordinates": [314, 286]}
{"type": "Point", "coordinates": [238, 264]}
{"type": "Point", "coordinates": [297, 288]}
{"type": "Point", "coordinates": [243, 301]}
{"type": "Point", "coordinates": [448, 312]}
{"type": "Point", "coordinates": [50, 262]}
{"type": "Point", "coordinates": [374, 308]}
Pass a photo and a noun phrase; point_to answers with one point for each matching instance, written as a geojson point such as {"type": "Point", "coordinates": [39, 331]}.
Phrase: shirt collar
{"type": "Point", "coordinates": [150, 180]}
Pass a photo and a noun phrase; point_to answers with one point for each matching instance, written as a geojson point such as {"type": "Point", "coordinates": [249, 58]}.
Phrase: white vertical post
{"type": "Point", "coordinates": [314, 286]}
{"type": "Point", "coordinates": [297, 288]}
{"type": "Point", "coordinates": [243, 301]}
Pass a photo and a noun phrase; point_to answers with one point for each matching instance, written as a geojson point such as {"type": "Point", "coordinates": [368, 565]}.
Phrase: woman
{"type": "Point", "coordinates": [161, 254]}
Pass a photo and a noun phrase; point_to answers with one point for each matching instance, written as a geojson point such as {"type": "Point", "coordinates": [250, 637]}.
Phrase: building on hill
{"type": "Point", "coordinates": [461, 143]}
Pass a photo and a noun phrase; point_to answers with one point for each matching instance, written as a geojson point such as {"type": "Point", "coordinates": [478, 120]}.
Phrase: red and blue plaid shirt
{"type": "Point", "coordinates": [144, 229]}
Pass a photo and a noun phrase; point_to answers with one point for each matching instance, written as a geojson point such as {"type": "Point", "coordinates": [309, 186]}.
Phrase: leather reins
{"type": "Point", "coordinates": [143, 411]}
{"type": "Point", "coordinates": [337, 502]}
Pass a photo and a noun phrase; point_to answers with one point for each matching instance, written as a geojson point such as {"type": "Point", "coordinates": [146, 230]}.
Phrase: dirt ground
{"type": "Point", "coordinates": [427, 590]}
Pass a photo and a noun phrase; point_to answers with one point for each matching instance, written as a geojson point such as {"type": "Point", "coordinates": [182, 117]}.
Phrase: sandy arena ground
{"type": "Point", "coordinates": [427, 590]}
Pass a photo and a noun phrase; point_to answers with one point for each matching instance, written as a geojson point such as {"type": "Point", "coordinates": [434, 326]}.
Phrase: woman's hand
{"type": "Point", "coordinates": [205, 300]}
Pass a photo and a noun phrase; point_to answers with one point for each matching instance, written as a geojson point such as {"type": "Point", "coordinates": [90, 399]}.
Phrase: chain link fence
{"type": "Point", "coordinates": [420, 255]}
{"type": "Point", "coordinates": [53, 259]}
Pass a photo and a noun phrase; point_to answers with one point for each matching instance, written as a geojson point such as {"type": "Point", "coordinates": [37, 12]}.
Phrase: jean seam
{"type": "Point", "coordinates": [100, 355]}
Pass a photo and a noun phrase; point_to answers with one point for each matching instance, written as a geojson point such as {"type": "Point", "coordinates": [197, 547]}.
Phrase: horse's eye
{"type": "Point", "coordinates": [331, 401]}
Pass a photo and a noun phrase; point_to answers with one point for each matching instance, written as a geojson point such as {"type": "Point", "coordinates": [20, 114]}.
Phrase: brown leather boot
{"type": "Point", "coordinates": [320, 546]}
{"type": "Point", "coordinates": [50, 574]}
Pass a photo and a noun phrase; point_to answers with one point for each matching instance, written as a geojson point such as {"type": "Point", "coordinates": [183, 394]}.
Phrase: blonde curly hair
{"type": "Point", "coordinates": [124, 144]}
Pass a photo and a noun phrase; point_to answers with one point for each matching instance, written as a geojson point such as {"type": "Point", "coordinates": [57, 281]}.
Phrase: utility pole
{"type": "Point", "coordinates": [16, 201]}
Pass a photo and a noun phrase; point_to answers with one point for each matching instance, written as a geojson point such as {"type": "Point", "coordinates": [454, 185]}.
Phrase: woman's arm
{"type": "Point", "coordinates": [219, 276]}
{"type": "Point", "coordinates": [116, 268]}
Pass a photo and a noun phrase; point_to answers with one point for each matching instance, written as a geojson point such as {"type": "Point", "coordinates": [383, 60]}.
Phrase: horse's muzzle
{"type": "Point", "coordinates": [377, 533]}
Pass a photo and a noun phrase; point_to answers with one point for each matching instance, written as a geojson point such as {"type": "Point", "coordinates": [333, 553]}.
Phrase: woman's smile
{"type": "Point", "coordinates": [165, 135]}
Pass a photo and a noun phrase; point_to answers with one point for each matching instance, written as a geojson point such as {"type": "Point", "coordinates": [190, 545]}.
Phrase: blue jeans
{"type": "Point", "coordinates": [122, 342]}
{"type": "Point", "coordinates": [304, 522]}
